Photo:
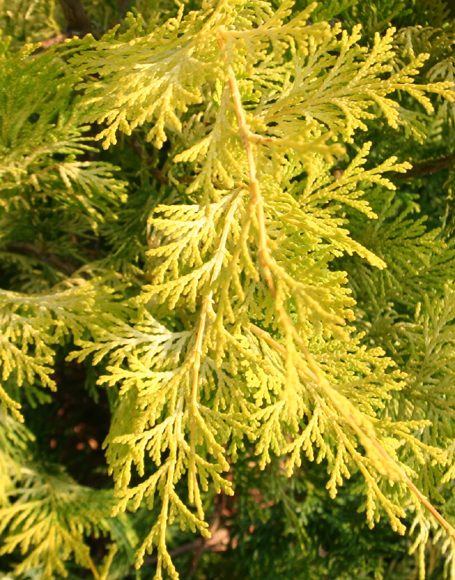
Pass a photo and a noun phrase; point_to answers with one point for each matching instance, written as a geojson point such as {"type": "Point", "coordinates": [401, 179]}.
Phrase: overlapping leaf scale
{"type": "Point", "coordinates": [189, 250]}
{"type": "Point", "coordinates": [238, 246]}
{"type": "Point", "coordinates": [342, 99]}
{"type": "Point", "coordinates": [165, 72]}
{"type": "Point", "coordinates": [429, 340]}
{"type": "Point", "coordinates": [418, 259]}
{"type": "Point", "coordinates": [156, 424]}
{"type": "Point", "coordinates": [33, 325]}
{"type": "Point", "coordinates": [50, 520]}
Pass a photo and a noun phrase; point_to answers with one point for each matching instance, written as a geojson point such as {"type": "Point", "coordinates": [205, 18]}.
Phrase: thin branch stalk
{"type": "Point", "coordinates": [330, 392]}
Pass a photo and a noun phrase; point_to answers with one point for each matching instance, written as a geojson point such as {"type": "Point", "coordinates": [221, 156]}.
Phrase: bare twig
{"type": "Point", "coordinates": [77, 21]}
{"type": "Point", "coordinates": [54, 40]}
{"type": "Point", "coordinates": [28, 249]}
{"type": "Point", "coordinates": [122, 6]}
{"type": "Point", "coordinates": [428, 167]}
{"type": "Point", "coordinates": [217, 543]}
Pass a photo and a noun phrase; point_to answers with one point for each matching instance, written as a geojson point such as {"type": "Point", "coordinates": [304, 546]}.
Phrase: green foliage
{"type": "Point", "coordinates": [48, 520]}
{"type": "Point", "coordinates": [207, 209]}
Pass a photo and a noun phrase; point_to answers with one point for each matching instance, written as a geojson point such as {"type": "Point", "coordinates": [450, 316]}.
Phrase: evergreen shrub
{"type": "Point", "coordinates": [227, 304]}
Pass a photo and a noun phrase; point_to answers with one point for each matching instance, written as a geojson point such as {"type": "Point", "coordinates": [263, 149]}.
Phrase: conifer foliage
{"type": "Point", "coordinates": [235, 218]}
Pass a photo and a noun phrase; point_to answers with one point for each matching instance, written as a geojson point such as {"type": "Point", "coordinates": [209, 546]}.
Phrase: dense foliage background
{"type": "Point", "coordinates": [78, 248]}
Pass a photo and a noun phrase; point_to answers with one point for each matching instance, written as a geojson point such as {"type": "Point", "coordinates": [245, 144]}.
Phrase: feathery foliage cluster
{"type": "Point", "coordinates": [228, 225]}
